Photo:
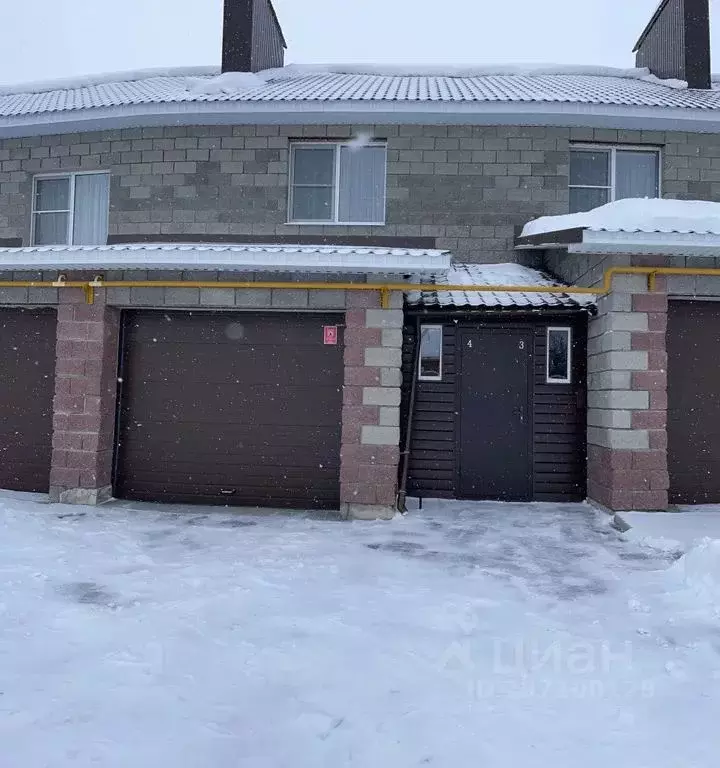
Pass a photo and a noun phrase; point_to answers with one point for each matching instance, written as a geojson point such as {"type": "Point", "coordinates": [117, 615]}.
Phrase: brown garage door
{"type": "Point", "coordinates": [27, 384]}
{"type": "Point", "coordinates": [693, 343]}
{"type": "Point", "coordinates": [230, 408]}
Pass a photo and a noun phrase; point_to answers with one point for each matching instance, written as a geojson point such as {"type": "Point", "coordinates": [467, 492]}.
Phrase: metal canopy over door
{"type": "Point", "coordinates": [693, 345]}
{"type": "Point", "coordinates": [230, 408]}
{"type": "Point", "coordinates": [27, 385]}
{"type": "Point", "coordinates": [495, 458]}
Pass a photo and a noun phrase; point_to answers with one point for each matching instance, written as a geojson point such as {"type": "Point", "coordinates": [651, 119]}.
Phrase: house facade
{"type": "Point", "coordinates": [207, 282]}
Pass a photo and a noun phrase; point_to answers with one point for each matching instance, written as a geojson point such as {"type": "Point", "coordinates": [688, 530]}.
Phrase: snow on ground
{"type": "Point", "coordinates": [673, 531]}
{"type": "Point", "coordinates": [692, 535]}
{"type": "Point", "coordinates": [699, 572]}
{"type": "Point", "coordinates": [463, 635]}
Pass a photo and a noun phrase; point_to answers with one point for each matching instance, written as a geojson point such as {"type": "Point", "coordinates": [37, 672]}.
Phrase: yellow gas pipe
{"type": "Point", "coordinates": [89, 286]}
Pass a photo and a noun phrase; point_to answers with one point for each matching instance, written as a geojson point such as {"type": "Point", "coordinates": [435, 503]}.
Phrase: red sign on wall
{"type": "Point", "coordinates": [330, 334]}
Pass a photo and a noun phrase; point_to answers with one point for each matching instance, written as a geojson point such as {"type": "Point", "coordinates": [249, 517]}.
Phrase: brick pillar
{"type": "Point", "coordinates": [371, 406]}
{"type": "Point", "coordinates": [627, 398]}
{"type": "Point", "coordinates": [85, 393]}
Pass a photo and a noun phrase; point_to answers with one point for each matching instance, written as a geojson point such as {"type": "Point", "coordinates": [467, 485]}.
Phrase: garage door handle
{"type": "Point", "coordinates": [228, 491]}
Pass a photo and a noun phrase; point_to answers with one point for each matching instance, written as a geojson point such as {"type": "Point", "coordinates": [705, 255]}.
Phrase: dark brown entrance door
{"type": "Point", "coordinates": [693, 345]}
{"type": "Point", "coordinates": [27, 384]}
{"type": "Point", "coordinates": [230, 408]}
{"type": "Point", "coordinates": [495, 419]}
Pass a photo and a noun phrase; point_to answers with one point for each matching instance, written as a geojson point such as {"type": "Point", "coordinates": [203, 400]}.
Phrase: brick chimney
{"type": "Point", "coordinates": [676, 42]}
{"type": "Point", "coordinates": [252, 37]}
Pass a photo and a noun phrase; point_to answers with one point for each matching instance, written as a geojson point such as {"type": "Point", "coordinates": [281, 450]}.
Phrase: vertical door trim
{"type": "Point", "coordinates": [120, 368]}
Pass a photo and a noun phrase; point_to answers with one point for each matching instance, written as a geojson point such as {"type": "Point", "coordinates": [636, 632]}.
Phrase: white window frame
{"type": "Point", "coordinates": [613, 149]}
{"type": "Point", "coordinates": [71, 176]}
{"type": "Point", "coordinates": [335, 221]}
{"type": "Point", "coordinates": [568, 331]}
{"type": "Point", "coordinates": [426, 326]}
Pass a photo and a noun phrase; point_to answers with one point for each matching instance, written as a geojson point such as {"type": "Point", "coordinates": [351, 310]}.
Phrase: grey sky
{"type": "Point", "coordinates": [44, 39]}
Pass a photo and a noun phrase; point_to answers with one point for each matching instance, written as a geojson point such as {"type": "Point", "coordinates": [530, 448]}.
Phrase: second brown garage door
{"type": "Point", "coordinates": [693, 344]}
{"type": "Point", "coordinates": [27, 384]}
{"type": "Point", "coordinates": [230, 408]}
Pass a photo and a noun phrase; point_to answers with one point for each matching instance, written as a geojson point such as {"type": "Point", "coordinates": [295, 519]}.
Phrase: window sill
{"type": "Point", "coordinates": [335, 223]}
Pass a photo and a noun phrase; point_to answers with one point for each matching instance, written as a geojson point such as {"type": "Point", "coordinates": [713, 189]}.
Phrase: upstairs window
{"type": "Point", "coordinates": [599, 175]}
{"type": "Point", "coordinates": [337, 183]}
{"type": "Point", "coordinates": [71, 209]}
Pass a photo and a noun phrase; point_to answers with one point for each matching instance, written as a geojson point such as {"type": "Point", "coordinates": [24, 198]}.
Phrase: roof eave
{"type": "Point", "coordinates": [557, 239]}
{"type": "Point", "coordinates": [277, 22]}
{"type": "Point", "coordinates": [566, 114]}
{"type": "Point", "coordinates": [437, 310]}
{"type": "Point", "coordinates": [649, 26]}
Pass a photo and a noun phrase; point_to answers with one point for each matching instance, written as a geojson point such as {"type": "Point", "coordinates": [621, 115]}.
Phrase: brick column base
{"type": "Point", "coordinates": [370, 450]}
{"type": "Point", "coordinates": [625, 480]}
{"type": "Point", "coordinates": [85, 393]}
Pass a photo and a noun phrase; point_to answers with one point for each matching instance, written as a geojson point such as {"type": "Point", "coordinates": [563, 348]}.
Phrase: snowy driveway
{"type": "Point", "coordinates": [466, 635]}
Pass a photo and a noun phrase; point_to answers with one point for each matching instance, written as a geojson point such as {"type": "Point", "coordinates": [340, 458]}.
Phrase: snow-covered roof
{"type": "Point", "coordinates": [532, 95]}
{"type": "Point", "coordinates": [494, 274]}
{"type": "Point", "coordinates": [654, 226]}
{"type": "Point", "coordinates": [637, 215]}
{"type": "Point", "coordinates": [306, 258]}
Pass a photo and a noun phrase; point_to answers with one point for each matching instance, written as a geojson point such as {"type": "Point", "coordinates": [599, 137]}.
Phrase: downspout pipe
{"type": "Point", "coordinates": [405, 455]}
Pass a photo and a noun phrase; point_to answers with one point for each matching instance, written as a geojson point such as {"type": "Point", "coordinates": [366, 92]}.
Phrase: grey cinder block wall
{"type": "Point", "coordinates": [463, 188]}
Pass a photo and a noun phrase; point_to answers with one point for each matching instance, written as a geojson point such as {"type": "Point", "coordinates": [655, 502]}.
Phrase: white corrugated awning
{"type": "Point", "coordinates": [648, 244]}
{"type": "Point", "coordinates": [238, 258]}
{"type": "Point", "coordinates": [634, 227]}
